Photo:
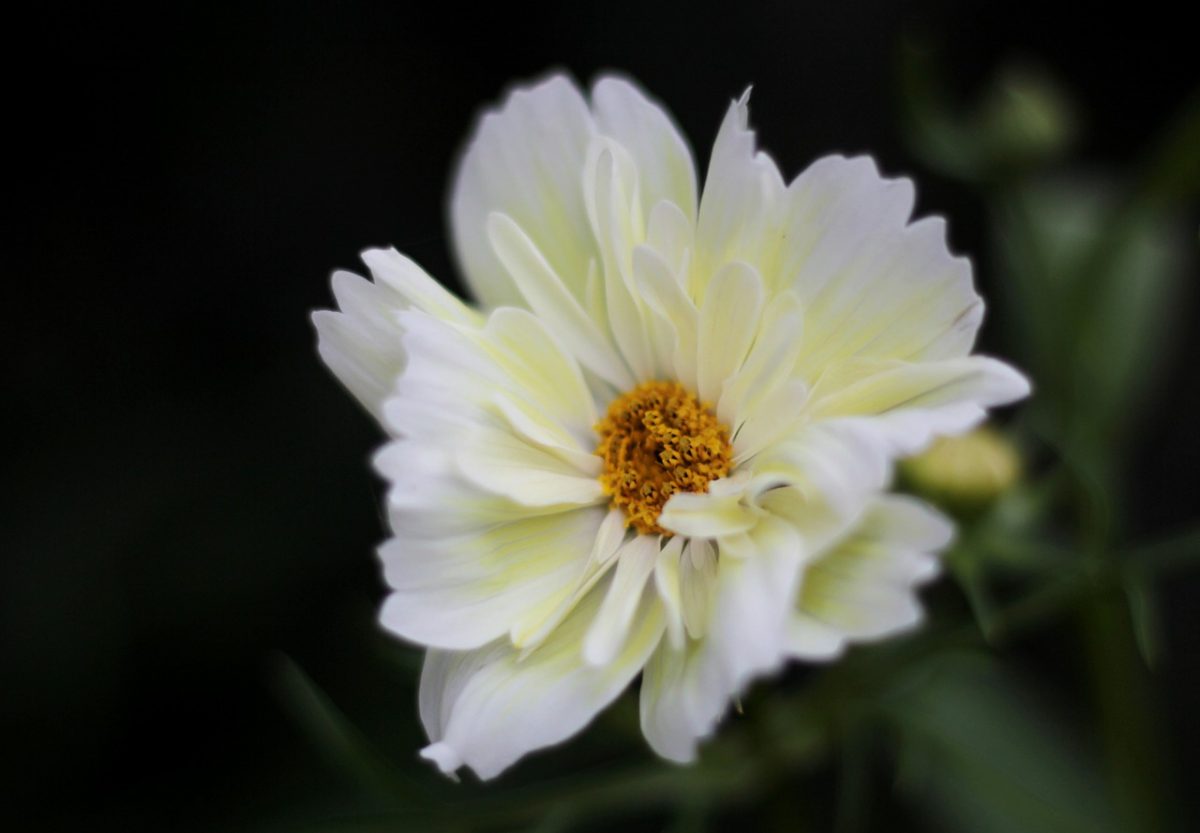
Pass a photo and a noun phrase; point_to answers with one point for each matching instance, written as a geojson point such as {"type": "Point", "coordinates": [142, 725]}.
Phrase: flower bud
{"type": "Point", "coordinates": [965, 473]}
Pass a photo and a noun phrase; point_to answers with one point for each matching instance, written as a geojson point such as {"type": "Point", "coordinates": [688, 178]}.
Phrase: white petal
{"type": "Point", "coordinates": [505, 464]}
{"type": "Point", "coordinates": [917, 401]}
{"type": "Point", "coordinates": [463, 591]}
{"type": "Point", "coordinates": [863, 586]}
{"type": "Point", "coordinates": [740, 206]}
{"type": "Point", "coordinates": [608, 631]}
{"type": "Point", "coordinates": [809, 639]}
{"type": "Point", "coordinates": [612, 535]}
{"type": "Point", "coordinates": [835, 209]}
{"type": "Point", "coordinates": [917, 304]}
{"type": "Point", "coordinates": [362, 344]}
{"type": "Point", "coordinates": [663, 293]}
{"type": "Point", "coordinates": [447, 381]}
{"type": "Point", "coordinates": [872, 284]}
{"type": "Point", "coordinates": [642, 126]}
{"type": "Point", "coordinates": [610, 187]}
{"type": "Point", "coordinates": [729, 319]}
{"type": "Point", "coordinates": [363, 340]}
{"type": "Point", "coordinates": [908, 522]}
{"type": "Point", "coordinates": [503, 398]}
{"type": "Point", "coordinates": [774, 417]}
{"type": "Point", "coordinates": [538, 362]}
{"type": "Point", "coordinates": [365, 363]}
{"type": "Point", "coordinates": [859, 609]}
{"type": "Point", "coordinates": [488, 708]}
{"type": "Point", "coordinates": [512, 377]}
{"type": "Point", "coordinates": [524, 161]}
{"type": "Point", "coordinates": [416, 287]}
{"type": "Point", "coordinates": [701, 515]}
{"type": "Point", "coordinates": [698, 584]}
{"type": "Point", "coordinates": [685, 692]}
{"type": "Point", "coordinates": [769, 363]}
{"type": "Point", "coordinates": [542, 288]}
{"type": "Point", "coordinates": [668, 583]}
{"type": "Point", "coordinates": [671, 234]}
{"type": "Point", "coordinates": [428, 498]}
{"type": "Point", "coordinates": [533, 426]}
{"type": "Point", "coordinates": [535, 624]}
{"type": "Point", "coordinates": [752, 601]}
{"type": "Point", "coordinates": [670, 721]}
{"type": "Point", "coordinates": [834, 465]}
{"type": "Point", "coordinates": [443, 677]}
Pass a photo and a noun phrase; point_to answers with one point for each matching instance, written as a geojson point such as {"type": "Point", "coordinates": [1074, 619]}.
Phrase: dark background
{"type": "Point", "coordinates": [187, 497]}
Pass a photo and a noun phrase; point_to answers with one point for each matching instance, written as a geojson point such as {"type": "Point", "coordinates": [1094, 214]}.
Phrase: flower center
{"type": "Point", "coordinates": [656, 440]}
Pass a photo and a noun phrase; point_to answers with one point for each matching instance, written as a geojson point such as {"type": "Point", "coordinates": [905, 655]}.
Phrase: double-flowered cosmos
{"type": "Point", "coordinates": [659, 442]}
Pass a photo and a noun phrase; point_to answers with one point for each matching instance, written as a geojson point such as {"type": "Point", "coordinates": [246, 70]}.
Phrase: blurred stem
{"type": "Point", "coordinates": [1176, 552]}
{"type": "Point", "coordinates": [853, 800]}
{"type": "Point", "coordinates": [1127, 729]}
{"type": "Point", "coordinates": [1125, 714]}
{"type": "Point", "coordinates": [338, 738]}
{"type": "Point", "coordinates": [692, 818]}
{"type": "Point", "coordinates": [716, 782]}
{"type": "Point", "coordinates": [1173, 171]}
{"type": "Point", "coordinates": [555, 821]}
{"type": "Point", "coordinates": [1058, 596]}
{"type": "Point", "coordinates": [785, 811]}
{"type": "Point", "coordinates": [1049, 600]}
{"type": "Point", "coordinates": [970, 575]}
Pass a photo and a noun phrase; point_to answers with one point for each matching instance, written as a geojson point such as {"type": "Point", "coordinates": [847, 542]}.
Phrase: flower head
{"type": "Point", "coordinates": [659, 443]}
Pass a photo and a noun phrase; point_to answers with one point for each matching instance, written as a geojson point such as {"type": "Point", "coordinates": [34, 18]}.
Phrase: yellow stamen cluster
{"type": "Point", "coordinates": [656, 440]}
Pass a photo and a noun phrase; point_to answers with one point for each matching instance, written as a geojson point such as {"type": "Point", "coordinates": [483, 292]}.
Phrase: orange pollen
{"type": "Point", "coordinates": [656, 440]}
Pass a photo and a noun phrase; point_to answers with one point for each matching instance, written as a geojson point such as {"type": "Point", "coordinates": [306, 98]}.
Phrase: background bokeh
{"type": "Point", "coordinates": [188, 586]}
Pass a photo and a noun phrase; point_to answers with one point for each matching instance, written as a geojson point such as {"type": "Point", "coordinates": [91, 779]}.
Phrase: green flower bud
{"type": "Point", "coordinates": [1025, 119]}
{"type": "Point", "coordinates": [964, 473]}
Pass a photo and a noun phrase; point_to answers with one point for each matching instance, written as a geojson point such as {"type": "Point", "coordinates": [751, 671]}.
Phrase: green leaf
{"type": "Point", "coordinates": [981, 755]}
{"type": "Point", "coordinates": [1093, 289]}
{"type": "Point", "coordinates": [1133, 292]}
{"type": "Point", "coordinates": [1143, 612]}
{"type": "Point", "coordinates": [339, 740]}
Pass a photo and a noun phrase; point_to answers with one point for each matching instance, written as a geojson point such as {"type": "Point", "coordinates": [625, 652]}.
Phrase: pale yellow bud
{"type": "Point", "coordinates": [965, 472]}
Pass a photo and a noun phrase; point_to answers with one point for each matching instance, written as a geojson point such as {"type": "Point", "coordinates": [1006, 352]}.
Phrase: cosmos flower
{"type": "Point", "coordinates": [659, 443]}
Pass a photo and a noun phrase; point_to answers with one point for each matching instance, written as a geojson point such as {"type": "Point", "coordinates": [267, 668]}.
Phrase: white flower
{"type": "Point", "coordinates": [659, 444]}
